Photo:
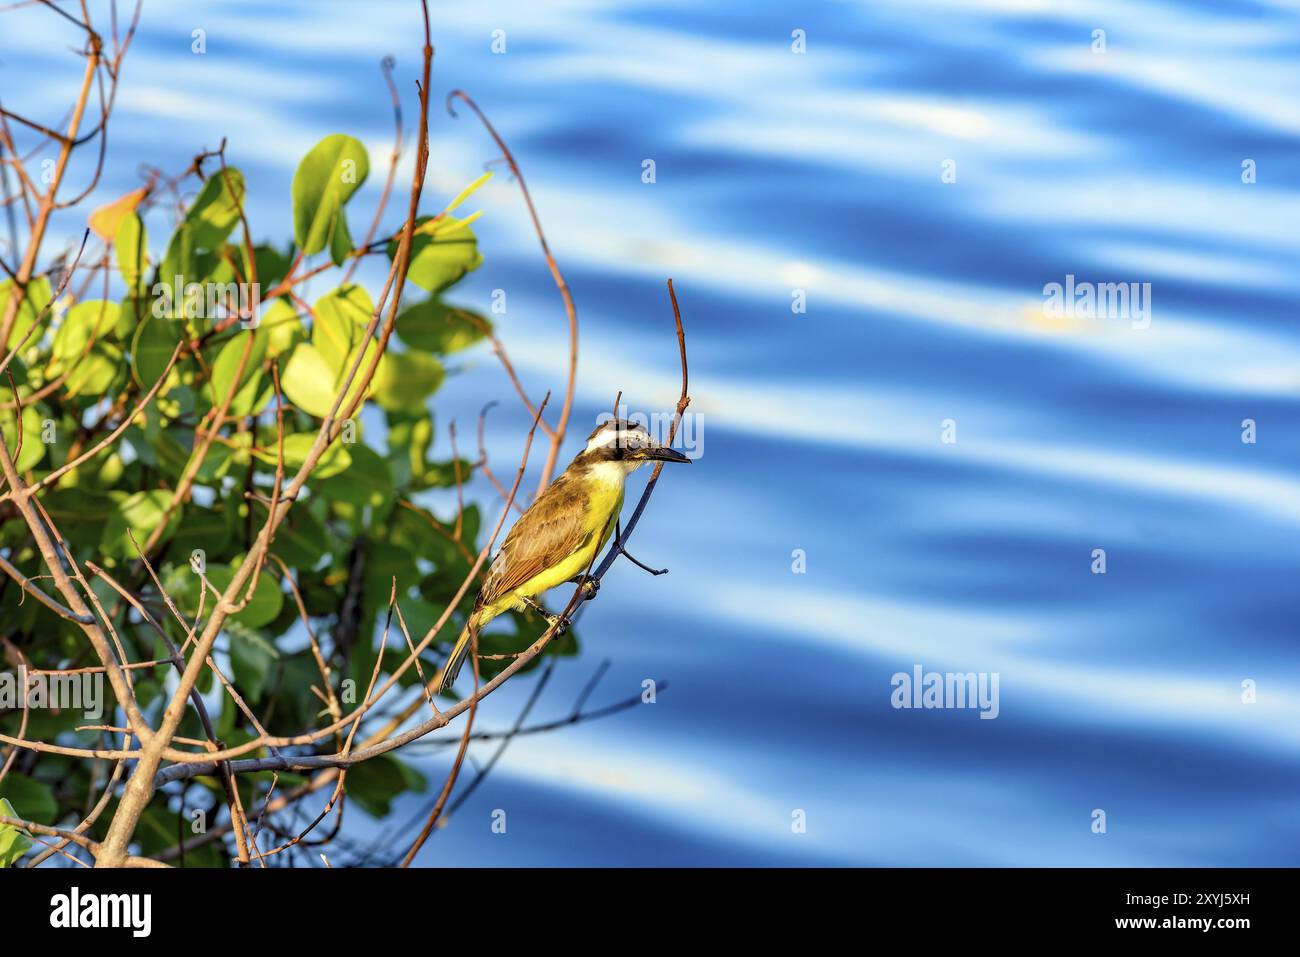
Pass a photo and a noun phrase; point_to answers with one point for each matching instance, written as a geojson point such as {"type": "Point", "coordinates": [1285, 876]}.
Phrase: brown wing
{"type": "Point", "coordinates": [550, 531]}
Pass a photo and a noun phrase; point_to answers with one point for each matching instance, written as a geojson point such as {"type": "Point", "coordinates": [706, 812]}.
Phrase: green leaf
{"type": "Point", "coordinates": [141, 513]}
{"type": "Point", "coordinates": [14, 841]}
{"type": "Point", "coordinates": [384, 563]}
{"type": "Point", "coordinates": [317, 370]}
{"type": "Point", "coordinates": [340, 241]}
{"type": "Point", "coordinates": [325, 180]}
{"type": "Point", "coordinates": [133, 308]}
{"type": "Point", "coordinates": [95, 318]}
{"type": "Point", "coordinates": [157, 830]}
{"type": "Point", "coordinates": [202, 528]}
{"type": "Point", "coordinates": [132, 248]}
{"type": "Point", "coordinates": [216, 210]}
{"type": "Point", "coordinates": [221, 457]}
{"type": "Point", "coordinates": [81, 514]}
{"type": "Point", "coordinates": [283, 328]}
{"type": "Point", "coordinates": [172, 448]}
{"type": "Point", "coordinates": [375, 783]}
{"type": "Point", "coordinates": [265, 604]}
{"type": "Point", "coordinates": [413, 779]}
{"type": "Point", "coordinates": [470, 518]}
{"type": "Point", "coordinates": [37, 298]}
{"type": "Point", "coordinates": [367, 479]}
{"type": "Point", "coordinates": [440, 260]}
{"type": "Point", "coordinates": [415, 532]}
{"type": "Point", "coordinates": [247, 400]}
{"type": "Point", "coordinates": [308, 380]}
{"type": "Point", "coordinates": [342, 316]}
{"type": "Point", "coordinates": [409, 438]}
{"type": "Point", "coordinates": [94, 374]}
{"type": "Point", "coordinates": [33, 449]}
{"type": "Point", "coordinates": [252, 658]}
{"type": "Point", "coordinates": [106, 471]}
{"type": "Point", "coordinates": [303, 540]}
{"type": "Point", "coordinates": [443, 474]}
{"type": "Point", "coordinates": [179, 263]}
{"type": "Point", "coordinates": [436, 327]}
{"type": "Point", "coordinates": [272, 266]}
{"type": "Point", "coordinates": [420, 616]}
{"type": "Point", "coordinates": [152, 347]}
{"type": "Point", "coordinates": [404, 380]}
{"type": "Point", "coordinates": [311, 383]}
{"type": "Point", "coordinates": [34, 799]}
{"type": "Point", "coordinates": [333, 460]}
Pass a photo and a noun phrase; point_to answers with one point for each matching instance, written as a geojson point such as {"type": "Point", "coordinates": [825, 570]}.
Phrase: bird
{"type": "Point", "coordinates": [558, 537]}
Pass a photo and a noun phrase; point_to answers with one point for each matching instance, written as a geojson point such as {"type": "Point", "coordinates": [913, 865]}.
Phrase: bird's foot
{"type": "Point", "coordinates": [558, 622]}
{"type": "Point", "coordinates": [589, 588]}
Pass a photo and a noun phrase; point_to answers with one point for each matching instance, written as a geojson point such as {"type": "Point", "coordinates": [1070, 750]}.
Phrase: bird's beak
{"type": "Point", "coordinates": [663, 453]}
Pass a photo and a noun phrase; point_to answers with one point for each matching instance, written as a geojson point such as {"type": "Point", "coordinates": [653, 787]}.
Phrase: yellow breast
{"type": "Point", "coordinates": [602, 495]}
{"type": "Point", "coordinates": [604, 502]}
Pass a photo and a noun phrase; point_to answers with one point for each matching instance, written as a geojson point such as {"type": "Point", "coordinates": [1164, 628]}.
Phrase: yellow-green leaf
{"type": "Point", "coordinates": [441, 259]}
{"type": "Point", "coordinates": [94, 318]}
{"type": "Point", "coordinates": [333, 460]}
{"type": "Point", "coordinates": [325, 180]}
{"type": "Point", "coordinates": [404, 380]}
{"type": "Point", "coordinates": [433, 326]}
{"type": "Point", "coordinates": [37, 298]}
{"type": "Point", "coordinates": [132, 248]}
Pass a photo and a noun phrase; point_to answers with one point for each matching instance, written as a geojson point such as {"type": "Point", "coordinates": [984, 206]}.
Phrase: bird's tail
{"type": "Point", "coordinates": [458, 655]}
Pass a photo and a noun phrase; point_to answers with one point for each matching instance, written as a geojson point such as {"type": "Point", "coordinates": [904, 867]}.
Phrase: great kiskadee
{"type": "Point", "coordinates": [560, 534]}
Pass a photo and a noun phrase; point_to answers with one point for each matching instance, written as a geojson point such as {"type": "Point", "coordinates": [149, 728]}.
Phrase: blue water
{"type": "Point", "coordinates": [822, 431]}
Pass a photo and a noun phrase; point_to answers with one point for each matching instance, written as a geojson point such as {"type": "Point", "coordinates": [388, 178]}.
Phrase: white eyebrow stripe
{"type": "Point", "coordinates": [611, 436]}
